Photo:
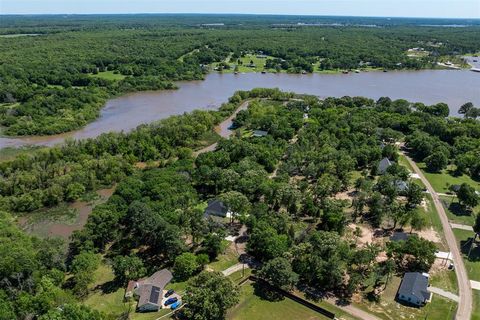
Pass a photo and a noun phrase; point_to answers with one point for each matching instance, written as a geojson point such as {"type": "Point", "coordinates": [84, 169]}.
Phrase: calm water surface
{"type": "Point", "coordinates": [129, 111]}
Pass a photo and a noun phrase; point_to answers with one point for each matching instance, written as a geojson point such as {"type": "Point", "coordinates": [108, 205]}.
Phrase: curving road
{"type": "Point", "coordinates": [464, 310]}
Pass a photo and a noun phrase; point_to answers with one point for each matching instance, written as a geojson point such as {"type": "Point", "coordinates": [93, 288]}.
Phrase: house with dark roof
{"type": "Point", "coordinates": [383, 165]}
{"type": "Point", "coordinates": [414, 289]}
{"type": "Point", "coordinates": [149, 290]}
{"type": "Point", "coordinates": [399, 236]}
{"type": "Point", "coordinates": [455, 187]}
{"type": "Point", "coordinates": [217, 208]}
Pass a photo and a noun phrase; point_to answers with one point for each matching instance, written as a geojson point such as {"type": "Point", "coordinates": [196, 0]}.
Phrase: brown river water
{"type": "Point", "coordinates": [128, 111]}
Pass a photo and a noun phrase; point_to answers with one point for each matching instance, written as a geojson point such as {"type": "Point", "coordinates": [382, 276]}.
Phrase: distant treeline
{"type": "Point", "coordinates": [54, 82]}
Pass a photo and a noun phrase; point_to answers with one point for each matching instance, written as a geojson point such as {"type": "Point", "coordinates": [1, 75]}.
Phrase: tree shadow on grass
{"type": "Point", "coordinates": [109, 286]}
{"type": "Point", "coordinates": [474, 253]}
{"type": "Point", "coordinates": [266, 293]}
{"type": "Point", "coordinates": [458, 210]}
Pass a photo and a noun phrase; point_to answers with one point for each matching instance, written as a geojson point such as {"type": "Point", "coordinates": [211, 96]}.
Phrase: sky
{"type": "Point", "coordinates": [382, 8]}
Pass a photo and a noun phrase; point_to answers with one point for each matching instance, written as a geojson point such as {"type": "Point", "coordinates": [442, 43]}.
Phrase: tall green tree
{"type": "Point", "coordinates": [208, 297]}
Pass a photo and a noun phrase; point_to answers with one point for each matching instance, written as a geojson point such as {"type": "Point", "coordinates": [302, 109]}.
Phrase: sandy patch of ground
{"type": "Point", "coordinates": [366, 235]}
{"type": "Point", "coordinates": [424, 205]}
{"type": "Point", "coordinates": [438, 266]}
{"type": "Point", "coordinates": [429, 234]}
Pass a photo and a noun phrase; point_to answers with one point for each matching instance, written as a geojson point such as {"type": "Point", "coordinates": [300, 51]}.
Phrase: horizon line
{"type": "Point", "coordinates": [234, 13]}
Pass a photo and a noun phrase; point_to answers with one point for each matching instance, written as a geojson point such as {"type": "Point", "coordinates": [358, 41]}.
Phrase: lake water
{"type": "Point", "coordinates": [127, 112]}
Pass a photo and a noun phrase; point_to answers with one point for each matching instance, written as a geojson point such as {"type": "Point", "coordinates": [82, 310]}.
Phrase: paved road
{"type": "Point", "coordinates": [475, 284]}
{"type": "Point", "coordinates": [464, 310]}
{"type": "Point", "coordinates": [461, 226]}
{"type": "Point", "coordinates": [354, 311]}
{"type": "Point", "coordinates": [444, 293]}
{"type": "Point", "coordinates": [234, 268]}
{"type": "Point", "coordinates": [223, 128]}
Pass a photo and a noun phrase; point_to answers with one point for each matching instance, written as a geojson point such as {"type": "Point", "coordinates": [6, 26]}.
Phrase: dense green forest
{"type": "Point", "coordinates": [314, 150]}
{"type": "Point", "coordinates": [56, 82]}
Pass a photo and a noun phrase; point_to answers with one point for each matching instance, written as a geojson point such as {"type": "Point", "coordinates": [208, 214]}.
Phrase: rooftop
{"type": "Point", "coordinates": [416, 284]}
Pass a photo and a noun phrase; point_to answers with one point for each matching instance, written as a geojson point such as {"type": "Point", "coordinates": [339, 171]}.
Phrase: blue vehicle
{"type": "Point", "coordinates": [176, 305]}
{"type": "Point", "coordinates": [170, 301]}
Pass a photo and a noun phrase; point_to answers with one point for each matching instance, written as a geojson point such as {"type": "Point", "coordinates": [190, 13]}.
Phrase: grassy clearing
{"type": "Point", "coordinates": [10, 153]}
{"type": "Point", "coordinates": [252, 306]}
{"type": "Point", "coordinates": [433, 221]}
{"type": "Point", "coordinates": [389, 309]}
{"type": "Point", "coordinates": [476, 305]}
{"type": "Point", "coordinates": [259, 63]}
{"type": "Point", "coordinates": [441, 181]}
{"type": "Point", "coordinates": [456, 213]}
{"type": "Point", "coordinates": [227, 259]}
{"type": "Point", "coordinates": [208, 138]}
{"type": "Point", "coordinates": [108, 299]}
{"type": "Point", "coordinates": [473, 264]}
{"type": "Point", "coordinates": [109, 75]}
{"type": "Point", "coordinates": [445, 279]}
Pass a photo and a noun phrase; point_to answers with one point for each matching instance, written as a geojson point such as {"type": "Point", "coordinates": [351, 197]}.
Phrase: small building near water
{"type": "Point", "coordinates": [414, 289]}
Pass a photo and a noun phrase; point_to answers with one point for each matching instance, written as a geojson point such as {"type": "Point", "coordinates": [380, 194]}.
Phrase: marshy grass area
{"type": "Point", "coordinates": [10, 153]}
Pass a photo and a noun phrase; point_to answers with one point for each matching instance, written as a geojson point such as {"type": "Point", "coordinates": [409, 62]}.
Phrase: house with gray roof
{"type": "Point", "coordinates": [414, 289]}
{"type": "Point", "coordinates": [218, 208]}
{"type": "Point", "coordinates": [149, 290]}
{"type": "Point", "coordinates": [383, 165]}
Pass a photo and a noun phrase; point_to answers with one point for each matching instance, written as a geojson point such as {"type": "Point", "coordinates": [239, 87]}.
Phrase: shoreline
{"type": "Point", "coordinates": [143, 107]}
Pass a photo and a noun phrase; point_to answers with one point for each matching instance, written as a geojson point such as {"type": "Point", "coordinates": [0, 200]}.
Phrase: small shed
{"type": "Point", "coordinates": [414, 289]}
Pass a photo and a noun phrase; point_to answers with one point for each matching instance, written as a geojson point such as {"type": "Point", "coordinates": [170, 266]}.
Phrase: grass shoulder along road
{"type": "Point", "coordinates": [252, 306]}
{"type": "Point", "coordinates": [387, 308]}
{"type": "Point", "coordinates": [440, 181]}
{"type": "Point", "coordinates": [456, 213]}
{"type": "Point", "coordinates": [472, 264]}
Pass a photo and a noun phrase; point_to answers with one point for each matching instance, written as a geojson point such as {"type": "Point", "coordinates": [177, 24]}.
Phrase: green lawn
{"type": "Point", "coordinates": [456, 213]}
{"type": "Point", "coordinates": [107, 301]}
{"type": "Point", "coordinates": [387, 308]}
{"type": "Point", "coordinates": [441, 181]}
{"type": "Point", "coordinates": [10, 153]}
{"type": "Point", "coordinates": [446, 280]}
{"type": "Point", "coordinates": [109, 75]}
{"type": "Point", "coordinates": [110, 301]}
{"type": "Point", "coordinates": [473, 264]}
{"type": "Point", "coordinates": [259, 64]}
{"type": "Point", "coordinates": [476, 305]}
{"type": "Point", "coordinates": [252, 307]}
{"type": "Point", "coordinates": [225, 260]}
{"type": "Point", "coordinates": [433, 221]}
